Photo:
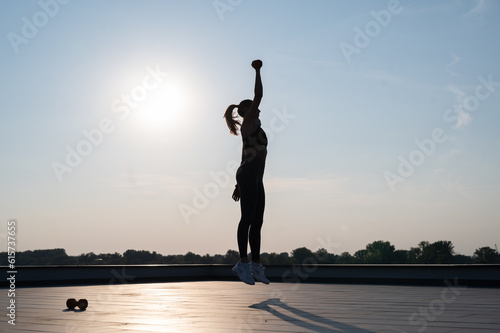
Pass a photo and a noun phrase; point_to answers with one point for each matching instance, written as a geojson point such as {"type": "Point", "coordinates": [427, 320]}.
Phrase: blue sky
{"type": "Point", "coordinates": [382, 118]}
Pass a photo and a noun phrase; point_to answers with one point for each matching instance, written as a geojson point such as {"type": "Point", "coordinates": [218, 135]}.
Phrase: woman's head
{"type": "Point", "coordinates": [231, 120]}
{"type": "Point", "coordinates": [244, 106]}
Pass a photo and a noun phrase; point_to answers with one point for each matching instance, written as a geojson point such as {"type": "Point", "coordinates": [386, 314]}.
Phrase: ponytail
{"type": "Point", "coordinates": [231, 121]}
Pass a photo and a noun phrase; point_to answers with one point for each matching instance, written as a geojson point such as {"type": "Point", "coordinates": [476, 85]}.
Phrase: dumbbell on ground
{"type": "Point", "coordinates": [71, 303]}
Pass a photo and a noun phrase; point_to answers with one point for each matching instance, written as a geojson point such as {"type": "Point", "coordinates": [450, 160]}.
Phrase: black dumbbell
{"type": "Point", "coordinates": [71, 303]}
{"type": "Point", "coordinates": [82, 304]}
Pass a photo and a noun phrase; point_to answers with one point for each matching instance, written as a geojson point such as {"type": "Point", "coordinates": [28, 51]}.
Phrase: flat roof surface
{"type": "Point", "coordinates": [230, 306]}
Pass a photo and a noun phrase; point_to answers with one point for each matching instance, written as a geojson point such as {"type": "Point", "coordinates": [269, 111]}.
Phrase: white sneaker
{"type": "Point", "coordinates": [242, 270]}
{"type": "Point", "coordinates": [258, 272]}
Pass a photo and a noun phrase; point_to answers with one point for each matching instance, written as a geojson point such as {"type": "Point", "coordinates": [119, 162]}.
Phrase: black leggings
{"type": "Point", "coordinates": [252, 196]}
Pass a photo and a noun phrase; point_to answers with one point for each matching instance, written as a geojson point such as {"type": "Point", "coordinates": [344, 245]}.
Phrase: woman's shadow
{"type": "Point", "coordinates": [334, 326]}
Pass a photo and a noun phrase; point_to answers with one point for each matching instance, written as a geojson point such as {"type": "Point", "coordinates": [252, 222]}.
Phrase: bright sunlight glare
{"type": "Point", "coordinates": [162, 106]}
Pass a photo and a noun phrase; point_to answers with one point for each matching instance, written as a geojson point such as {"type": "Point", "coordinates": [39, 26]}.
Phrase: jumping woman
{"type": "Point", "coordinates": [249, 187]}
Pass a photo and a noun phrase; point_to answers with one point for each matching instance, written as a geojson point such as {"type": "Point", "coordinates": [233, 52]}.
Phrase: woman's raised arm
{"type": "Point", "coordinates": [258, 91]}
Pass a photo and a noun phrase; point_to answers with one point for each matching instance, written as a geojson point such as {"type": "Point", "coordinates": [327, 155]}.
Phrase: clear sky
{"type": "Point", "coordinates": [382, 117]}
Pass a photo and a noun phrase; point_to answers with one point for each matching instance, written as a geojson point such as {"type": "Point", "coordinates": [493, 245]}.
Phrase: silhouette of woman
{"type": "Point", "coordinates": [249, 187]}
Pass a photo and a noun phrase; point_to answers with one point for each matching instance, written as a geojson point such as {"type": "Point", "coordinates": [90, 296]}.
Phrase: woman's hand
{"type": "Point", "coordinates": [236, 193]}
{"type": "Point", "coordinates": [257, 64]}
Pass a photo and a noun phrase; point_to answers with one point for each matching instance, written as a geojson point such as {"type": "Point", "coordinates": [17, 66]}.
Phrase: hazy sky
{"type": "Point", "coordinates": [382, 117]}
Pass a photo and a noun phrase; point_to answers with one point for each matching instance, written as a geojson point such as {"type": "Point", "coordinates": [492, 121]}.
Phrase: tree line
{"type": "Point", "coordinates": [378, 252]}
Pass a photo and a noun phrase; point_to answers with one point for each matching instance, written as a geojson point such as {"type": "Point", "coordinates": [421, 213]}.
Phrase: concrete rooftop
{"type": "Point", "coordinates": [231, 306]}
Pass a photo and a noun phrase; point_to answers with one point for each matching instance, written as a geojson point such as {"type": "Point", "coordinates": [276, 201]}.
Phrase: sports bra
{"type": "Point", "coordinates": [257, 138]}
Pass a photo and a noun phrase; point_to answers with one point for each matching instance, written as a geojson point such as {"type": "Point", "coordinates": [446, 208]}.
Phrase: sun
{"type": "Point", "coordinates": [163, 106]}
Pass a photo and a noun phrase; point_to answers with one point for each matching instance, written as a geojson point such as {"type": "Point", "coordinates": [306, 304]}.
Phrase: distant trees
{"type": "Point", "coordinates": [463, 259]}
{"type": "Point", "coordinates": [345, 258]}
{"type": "Point", "coordinates": [377, 252]}
{"type": "Point", "coordinates": [301, 255]}
{"type": "Point", "coordinates": [401, 257]}
{"type": "Point", "coordinates": [440, 252]}
{"type": "Point", "coordinates": [487, 255]}
{"type": "Point", "coordinates": [360, 256]}
{"type": "Point", "coordinates": [133, 257]}
{"type": "Point", "coordinates": [87, 258]}
{"type": "Point", "coordinates": [231, 257]}
{"type": "Point", "coordinates": [275, 258]}
{"type": "Point", "coordinates": [41, 257]}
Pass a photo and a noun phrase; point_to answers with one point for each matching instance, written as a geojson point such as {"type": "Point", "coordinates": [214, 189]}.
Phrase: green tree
{"type": "Point", "coordinates": [134, 257]}
{"type": "Point", "coordinates": [231, 257]}
{"type": "Point", "coordinates": [401, 257]}
{"type": "Point", "coordinates": [422, 245]}
{"type": "Point", "coordinates": [462, 259]}
{"type": "Point", "coordinates": [379, 252]}
{"type": "Point", "coordinates": [207, 259]}
{"type": "Point", "coordinates": [192, 258]}
{"type": "Point", "coordinates": [345, 258]}
{"type": "Point", "coordinates": [218, 258]}
{"type": "Point", "coordinates": [270, 259]}
{"type": "Point", "coordinates": [301, 255]}
{"type": "Point", "coordinates": [360, 256]}
{"type": "Point", "coordinates": [45, 257]}
{"type": "Point", "coordinates": [323, 257]}
{"type": "Point", "coordinates": [176, 259]}
{"type": "Point", "coordinates": [440, 252]}
{"type": "Point", "coordinates": [277, 259]}
{"type": "Point", "coordinates": [414, 255]}
{"type": "Point", "coordinates": [486, 255]}
{"type": "Point", "coordinates": [444, 252]}
{"type": "Point", "coordinates": [109, 259]}
{"type": "Point", "coordinates": [87, 258]}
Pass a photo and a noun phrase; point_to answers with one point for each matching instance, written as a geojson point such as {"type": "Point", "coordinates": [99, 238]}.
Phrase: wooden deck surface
{"type": "Point", "coordinates": [228, 306]}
